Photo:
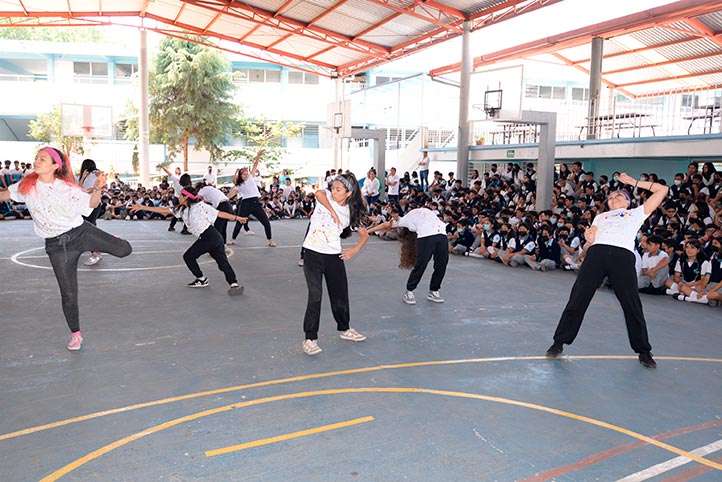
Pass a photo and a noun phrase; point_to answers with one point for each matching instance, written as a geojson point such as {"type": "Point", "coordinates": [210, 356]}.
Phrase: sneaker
{"type": "Point", "coordinates": [300, 262]}
{"type": "Point", "coordinates": [435, 297]}
{"type": "Point", "coordinates": [352, 335]}
{"type": "Point", "coordinates": [713, 303]}
{"type": "Point", "coordinates": [271, 243]}
{"type": "Point", "coordinates": [251, 233]}
{"type": "Point", "coordinates": [231, 242]}
{"type": "Point", "coordinates": [310, 347]}
{"type": "Point", "coordinates": [646, 359]}
{"type": "Point", "coordinates": [199, 283]}
{"type": "Point", "coordinates": [92, 260]}
{"type": "Point", "coordinates": [185, 231]}
{"type": "Point", "coordinates": [234, 290]}
{"type": "Point", "coordinates": [555, 350]}
{"type": "Point", "coordinates": [409, 298]}
{"type": "Point", "coordinates": [76, 341]}
{"type": "Point", "coordinates": [171, 228]}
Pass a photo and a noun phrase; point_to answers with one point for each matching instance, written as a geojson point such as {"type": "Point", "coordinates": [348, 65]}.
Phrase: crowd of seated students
{"type": "Point", "coordinates": [678, 246]}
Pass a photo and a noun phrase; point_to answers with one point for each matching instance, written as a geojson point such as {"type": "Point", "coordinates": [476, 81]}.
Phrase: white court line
{"type": "Point", "coordinates": [671, 464]}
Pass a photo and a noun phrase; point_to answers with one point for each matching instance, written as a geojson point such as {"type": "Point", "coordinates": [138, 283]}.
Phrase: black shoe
{"type": "Point", "coordinates": [646, 359]}
{"type": "Point", "coordinates": [185, 231]}
{"type": "Point", "coordinates": [235, 290]}
{"type": "Point", "coordinates": [555, 350]}
{"type": "Point", "coordinates": [199, 283]}
{"type": "Point", "coordinates": [171, 228]}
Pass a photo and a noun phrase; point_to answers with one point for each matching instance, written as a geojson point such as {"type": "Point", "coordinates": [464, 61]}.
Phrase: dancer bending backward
{"type": "Point", "coordinates": [248, 203]}
{"type": "Point", "coordinates": [336, 213]}
{"type": "Point", "coordinates": [219, 201]}
{"type": "Point", "coordinates": [57, 205]}
{"type": "Point", "coordinates": [199, 218]}
{"type": "Point", "coordinates": [611, 254]}
{"type": "Point", "coordinates": [423, 236]}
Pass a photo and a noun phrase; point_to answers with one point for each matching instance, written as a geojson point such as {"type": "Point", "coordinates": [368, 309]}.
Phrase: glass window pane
{"type": "Point", "coordinates": [532, 91]}
{"type": "Point", "coordinates": [81, 68]}
{"type": "Point", "coordinates": [295, 77]}
{"type": "Point", "coordinates": [256, 75]}
{"type": "Point", "coordinates": [311, 78]}
{"type": "Point", "coordinates": [273, 75]}
{"type": "Point", "coordinates": [545, 91]}
{"type": "Point", "coordinates": [560, 93]}
{"type": "Point", "coordinates": [100, 69]}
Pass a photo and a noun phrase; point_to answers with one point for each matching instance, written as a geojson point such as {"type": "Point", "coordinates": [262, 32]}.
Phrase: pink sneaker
{"type": "Point", "coordinates": [76, 341]}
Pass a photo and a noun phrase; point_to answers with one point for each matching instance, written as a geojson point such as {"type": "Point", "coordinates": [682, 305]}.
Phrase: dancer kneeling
{"type": "Point", "coordinates": [57, 205]}
{"type": "Point", "coordinates": [336, 213]}
{"type": "Point", "coordinates": [199, 218]}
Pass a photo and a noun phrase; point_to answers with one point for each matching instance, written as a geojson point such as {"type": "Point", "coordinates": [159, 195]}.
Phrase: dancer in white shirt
{"type": "Point", "coordinates": [248, 201]}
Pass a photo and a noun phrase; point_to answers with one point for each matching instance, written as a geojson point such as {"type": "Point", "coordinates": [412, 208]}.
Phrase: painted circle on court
{"type": "Point", "coordinates": [17, 258]}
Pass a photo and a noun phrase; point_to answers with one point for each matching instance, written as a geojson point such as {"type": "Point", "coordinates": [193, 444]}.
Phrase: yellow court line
{"type": "Point", "coordinates": [288, 436]}
{"type": "Point", "coordinates": [352, 371]}
{"type": "Point", "coordinates": [188, 418]}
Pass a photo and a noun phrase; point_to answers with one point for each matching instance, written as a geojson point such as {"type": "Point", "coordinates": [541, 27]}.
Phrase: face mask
{"type": "Point", "coordinates": [487, 227]}
{"type": "Point", "coordinates": [460, 229]}
{"type": "Point", "coordinates": [522, 233]}
{"type": "Point", "coordinates": [560, 223]}
{"type": "Point", "coordinates": [677, 182]}
{"type": "Point", "coordinates": [569, 215]}
{"type": "Point", "coordinates": [544, 239]}
{"type": "Point", "coordinates": [616, 178]}
{"type": "Point", "coordinates": [523, 188]}
{"type": "Point", "coordinates": [504, 232]}
{"type": "Point", "coordinates": [639, 236]}
{"type": "Point", "coordinates": [643, 178]}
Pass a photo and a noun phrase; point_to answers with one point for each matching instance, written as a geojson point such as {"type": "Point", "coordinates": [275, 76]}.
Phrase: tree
{"type": "Point", "coordinates": [49, 128]}
{"type": "Point", "coordinates": [260, 133]}
{"type": "Point", "coordinates": [191, 92]}
{"type": "Point", "coordinates": [52, 34]}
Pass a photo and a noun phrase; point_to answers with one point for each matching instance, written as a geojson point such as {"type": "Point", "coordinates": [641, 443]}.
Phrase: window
{"type": "Point", "coordinates": [382, 80]}
{"type": "Point", "coordinates": [240, 75]}
{"type": "Point", "coordinates": [263, 75]}
{"type": "Point", "coordinates": [125, 71]}
{"type": "Point", "coordinates": [531, 91]}
{"type": "Point", "coordinates": [559, 93]}
{"type": "Point", "coordinates": [690, 101]}
{"type": "Point", "coordinates": [545, 92]}
{"type": "Point", "coordinates": [90, 72]}
{"type": "Point", "coordinates": [273, 76]}
{"type": "Point", "coordinates": [579, 93]}
{"type": "Point", "coordinates": [295, 77]}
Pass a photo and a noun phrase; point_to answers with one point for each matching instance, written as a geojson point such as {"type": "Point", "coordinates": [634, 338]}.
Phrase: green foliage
{"type": "Point", "coordinates": [191, 93]}
{"type": "Point", "coordinates": [52, 34]}
{"type": "Point", "coordinates": [264, 134]}
{"type": "Point", "coordinates": [48, 128]}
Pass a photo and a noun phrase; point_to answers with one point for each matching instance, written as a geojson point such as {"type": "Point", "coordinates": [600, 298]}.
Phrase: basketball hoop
{"type": "Point", "coordinates": [88, 131]}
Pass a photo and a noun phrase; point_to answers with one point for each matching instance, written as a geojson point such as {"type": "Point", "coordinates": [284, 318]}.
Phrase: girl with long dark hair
{"type": "Point", "coordinates": [219, 201]}
{"type": "Point", "coordinates": [199, 218]}
{"type": "Point", "coordinates": [86, 180]}
{"type": "Point", "coordinates": [248, 201]}
{"type": "Point", "coordinates": [57, 205]}
{"type": "Point", "coordinates": [337, 212]}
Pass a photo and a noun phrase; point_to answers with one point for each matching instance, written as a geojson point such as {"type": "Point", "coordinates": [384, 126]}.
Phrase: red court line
{"type": "Point", "coordinates": [691, 473]}
{"type": "Point", "coordinates": [613, 452]}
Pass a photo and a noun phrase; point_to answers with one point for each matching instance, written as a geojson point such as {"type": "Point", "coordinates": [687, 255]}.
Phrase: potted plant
{"type": "Point", "coordinates": [479, 139]}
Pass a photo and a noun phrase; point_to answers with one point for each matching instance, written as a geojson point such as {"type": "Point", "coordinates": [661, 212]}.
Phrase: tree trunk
{"type": "Point", "coordinates": [185, 154]}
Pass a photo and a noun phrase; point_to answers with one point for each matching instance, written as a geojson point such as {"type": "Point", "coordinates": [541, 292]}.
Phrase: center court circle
{"type": "Point", "coordinates": [17, 258]}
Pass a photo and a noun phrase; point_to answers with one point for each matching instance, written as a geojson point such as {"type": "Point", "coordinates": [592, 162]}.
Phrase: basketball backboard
{"type": "Point", "coordinates": [90, 121]}
{"type": "Point", "coordinates": [496, 94]}
{"type": "Point", "coordinates": [338, 118]}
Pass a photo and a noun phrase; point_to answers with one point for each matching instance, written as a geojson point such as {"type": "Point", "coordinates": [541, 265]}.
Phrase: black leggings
{"type": "Point", "coordinates": [252, 206]}
{"type": "Point", "coordinates": [173, 219]}
{"type": "Point", "coordinates": [210, 242]}
{"type": "Point", "coordinates": [64, 252]}
{"type": "Point", "coordinates": [317, 266]}
{"type": "Point", "coordinates": [222, 223]}
{"type": "Point", "coordinates": [436, 246]}
{"type": "Point", "coordinates": [618, 265]}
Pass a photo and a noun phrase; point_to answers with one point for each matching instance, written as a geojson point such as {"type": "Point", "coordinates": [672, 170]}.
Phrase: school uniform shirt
{"type": "Point", "coordinates": [528, 244]}
{"type": "Point", "coordinates": [324, 235]}
{"type": "Point", "coordinates": [371, 187]}
{"type": "Point", "coordinates": [649, 261]}
{"type": "Point", "coordinates": [248, 188]}
{"type": "Point", "coordinates": [176, 184]}
{"type": "Point", "coordinates": [210, 178]}
{"type": "Point", "coordinates": [393, 190]}
{"type": "Point", "coordinates": [692, 271]}
{"type": "Point", "coordinates": [212, 195]}
{"type": "Point", "coordinates": [56, 208]}
{"type": "Point", "coordinates": [198, 217]}
{"type": "Point", "coordinates": [423, 222]}
{"type": "Point", "coordinates": [287, 190]}
{"type": "Point", "coordinates": [619, 227]}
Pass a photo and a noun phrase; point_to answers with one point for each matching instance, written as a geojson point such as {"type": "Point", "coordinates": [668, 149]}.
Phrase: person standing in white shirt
{"type": "Point", "coordinates": [336, 213]}
{"type": "Point", "coordinates": [423, 236]}
{"type": "Point", "coordinates": [424, 170]}
{"type": "Point", "coordinates": [57, 205]}
{"type": "Point", "coordinates": [611, 254]}
{"type": "Point", "coordinates": [199, 217]}
{"type": "Point", "coordinates": [177, 181]}
{"type": "Point", "coordinates": [392, 181]}
{"type": "Point", "coordinates": [209, 178]}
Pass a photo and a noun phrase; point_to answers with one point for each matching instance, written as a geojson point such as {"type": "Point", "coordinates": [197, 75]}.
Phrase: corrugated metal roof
{"type": "Point", "coordinates": [327, 37]}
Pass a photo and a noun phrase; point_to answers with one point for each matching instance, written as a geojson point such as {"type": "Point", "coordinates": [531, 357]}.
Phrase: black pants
{"type": "Point", "coordinates": [64, 252]}
{"type": "Point", "coordinates": [93, 217]}
{"type": "Point", "coordinates": [618, 265]}
{"type": "Point", "coordinates": [436, 246]}
{"type": "Point", "coordinates": [252, 206]}
{"type": "Point", "coordinates": [173, 219]}
{"type": "Point", "coordinates": [303, 250]}
{"type": "Point", "coordinates": [210, 242]}
{"type": "Point", "coordinates": [222, 223]}
{"type": "Point", "coordinates": [393, 199]}
{"type": "Point", "coordinates": [317, 266]}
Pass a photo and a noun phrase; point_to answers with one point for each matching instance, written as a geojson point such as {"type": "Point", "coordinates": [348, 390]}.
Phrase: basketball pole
{"type": "Point", "coordinates": [462, 138]}
{"type": "Point", "coordinates": [143, 120]}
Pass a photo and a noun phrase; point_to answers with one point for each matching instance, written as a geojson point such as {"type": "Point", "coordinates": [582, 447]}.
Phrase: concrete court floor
{"type": "Point", "coordinates": [439, 392]}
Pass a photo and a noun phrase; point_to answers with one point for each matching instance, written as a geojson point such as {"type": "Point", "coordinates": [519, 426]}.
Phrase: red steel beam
{"type": "Point", "coordinates": [705, 31]}
{"type": "Point", "coordinates": [682, 9]}
{"type": "Point", "coordinates": [411, 11]}
{"type": "Point", "coordinates": [588, 72]}
{"type": "Point", "coordinates": [663, 63]}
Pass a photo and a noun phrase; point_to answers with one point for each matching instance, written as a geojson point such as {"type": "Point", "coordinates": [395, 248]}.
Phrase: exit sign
{"type": "Point", "coordinates": [510, 154]}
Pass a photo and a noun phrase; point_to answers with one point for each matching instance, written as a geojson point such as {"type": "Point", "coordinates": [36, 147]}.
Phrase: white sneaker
{"type": "Point", "coordinates": [235, 290]}
{"type": "Point", "coordinates": [409, 298]}
{"type": "Point", "coordinates": [352, 335]}
{"type": "Point", "coordinates": [92, 260]}
{"type": "Point", "coordinates": [249, 233]}
{"type": "Point", "coordinates": [310, 347]}
{"type": "Point", "coordinates": [300, 262]}
{"type": "Point", "coordinates": [435, 297]}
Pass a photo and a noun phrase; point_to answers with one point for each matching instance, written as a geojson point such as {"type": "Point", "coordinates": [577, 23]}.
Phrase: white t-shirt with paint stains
{"type": "Point", "coordinates": [324, 235]}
